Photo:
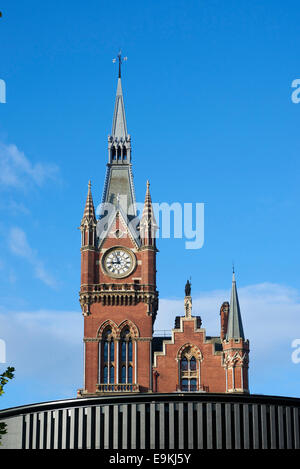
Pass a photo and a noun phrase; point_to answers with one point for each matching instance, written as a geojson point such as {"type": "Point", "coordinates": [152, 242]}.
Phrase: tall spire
{"type": "Point", "coordinates": [119, 127]}
{"type": "Point", "coordinates": [235, 325]}
{"type": "Point", "coordinates": [118, 187]}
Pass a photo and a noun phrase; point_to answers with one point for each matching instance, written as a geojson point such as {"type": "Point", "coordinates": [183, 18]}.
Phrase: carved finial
{"type": "Point", "coordinates": [121, 60]}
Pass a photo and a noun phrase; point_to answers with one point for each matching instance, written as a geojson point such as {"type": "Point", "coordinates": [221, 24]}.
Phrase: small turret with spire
{"type": "Point", "coordinates": [148, 225]}
{"type": "Point", "coordinates": [235, 347]}
{"type": "Point", "coordinates": [88, 250]}
{"type": "Point", "coordinates": [88, 222]}
{"type": "Point", "coordinates": [235, 326]}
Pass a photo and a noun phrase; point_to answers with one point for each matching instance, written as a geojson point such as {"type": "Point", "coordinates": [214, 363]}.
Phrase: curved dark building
{"type": "Point", "coordinates": [156, 421]}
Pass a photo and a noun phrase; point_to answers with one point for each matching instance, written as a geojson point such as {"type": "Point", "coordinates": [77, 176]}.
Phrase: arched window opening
{"type": "Point", "coordinates": [130, 350]}
{"type": "Point", "coordinates": [189, 371]}
{"type": "Point", "coordinates": [123, 351]}
{"type": "Point", "coordinates": [112, 351]}
{"type": "Point", "coordinates": [184, 364]}
{"type": "Point", "coordinates": [126, 356]}
{"type": "Point", "coordinates": [105, 354]}
{"type": "Point", "coordinates": [193, 364]}
{"type": "Point", "coordinates": [108, 353]}
{"type": "Point", "coordinates": [113, 153]}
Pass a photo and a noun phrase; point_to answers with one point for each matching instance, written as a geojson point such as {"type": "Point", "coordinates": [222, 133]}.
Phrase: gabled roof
{"type": "Point", "coordinates": [104, 226]}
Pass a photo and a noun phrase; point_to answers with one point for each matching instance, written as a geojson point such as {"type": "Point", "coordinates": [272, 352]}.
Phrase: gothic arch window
{"type": "Point", "coordinates": [108, 353]}
{"type": "Point", "coordinates": [113, 153]}
{"type": "Point", "coordinates": [117, 354]}
{"type": "Point", "coordinates": [193, 364]}
{"type": "Point", "coordinates": [189, 369]}
{"type": "Point", "coordinates": [126, 362]}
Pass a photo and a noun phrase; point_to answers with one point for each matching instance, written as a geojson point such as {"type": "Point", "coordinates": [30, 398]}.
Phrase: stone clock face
{"type": "Point", "coordinates": [118, 262]}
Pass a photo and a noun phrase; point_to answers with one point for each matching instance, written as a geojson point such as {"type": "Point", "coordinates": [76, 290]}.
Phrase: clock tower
{"type": "Point", "coordinates": [118, 294]}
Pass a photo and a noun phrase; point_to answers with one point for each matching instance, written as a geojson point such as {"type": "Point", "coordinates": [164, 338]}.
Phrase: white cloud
{"type": "Point", "coordinates": [13, 207]}
{"type": "Point", "coordinates": [271, 320]}
{"type": "Point", "coordinates": [17, 171]}
{"type": "Point", "coordinates": [270, 313]}
{"type": "Point", "coordinates": [19, 246]}
{"type": "Point", "coordinates": [46, 346]}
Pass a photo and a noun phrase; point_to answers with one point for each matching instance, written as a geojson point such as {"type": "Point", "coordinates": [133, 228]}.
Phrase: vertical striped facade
{"type": "Point", "coordinates": [185, 421]}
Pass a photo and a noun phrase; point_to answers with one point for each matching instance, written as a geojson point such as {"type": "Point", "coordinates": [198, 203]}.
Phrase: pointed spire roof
{"type": "Point", "coordinates": [89, 210]}
{"type": "Point", "coordinates": [119, 126]}
{"type": "Point", "coordinates": [148, 218]}
{"type": "Point", "coordinates": [119, 188]}
{"type": "Point", "coordinates": [235, 325]}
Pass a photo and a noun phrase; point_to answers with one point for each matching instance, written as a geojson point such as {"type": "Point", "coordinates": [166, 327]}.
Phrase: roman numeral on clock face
{"type": "Point", "coordinates": [118, 262]}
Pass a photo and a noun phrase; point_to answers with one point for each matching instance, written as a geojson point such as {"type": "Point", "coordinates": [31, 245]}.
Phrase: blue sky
{"type": "Point", "coordinates": [207, 90]}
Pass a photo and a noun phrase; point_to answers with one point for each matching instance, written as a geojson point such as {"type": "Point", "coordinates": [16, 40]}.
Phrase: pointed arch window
{"type": "Point", "coordinates": [126, 356]}
{"type": "Point", "coordinates": [193, 364]}
{"type": "Point", "coordinates": [184, 364]}
{"type": "Point", "coordinates": [189, 371]}
{"type": "Point", "coordinates": [108, 350]}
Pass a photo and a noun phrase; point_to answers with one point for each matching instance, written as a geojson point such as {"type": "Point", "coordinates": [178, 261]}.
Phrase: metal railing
{"type": "Point", "coordinates": [120, 387]}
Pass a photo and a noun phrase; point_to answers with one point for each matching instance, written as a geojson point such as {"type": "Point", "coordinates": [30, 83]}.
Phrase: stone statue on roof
{"type": "Point", "coordinates": [188, 286]}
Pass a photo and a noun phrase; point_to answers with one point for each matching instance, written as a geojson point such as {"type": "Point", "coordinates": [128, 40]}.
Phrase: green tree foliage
{"type": "Point", "coordinates": [4, 379]}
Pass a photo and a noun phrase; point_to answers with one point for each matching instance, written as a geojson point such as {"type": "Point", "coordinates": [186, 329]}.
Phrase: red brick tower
{"type": "Point", "coordinates": [118, 294]}
{"type": "Point", "coordinates": [119, 299]}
